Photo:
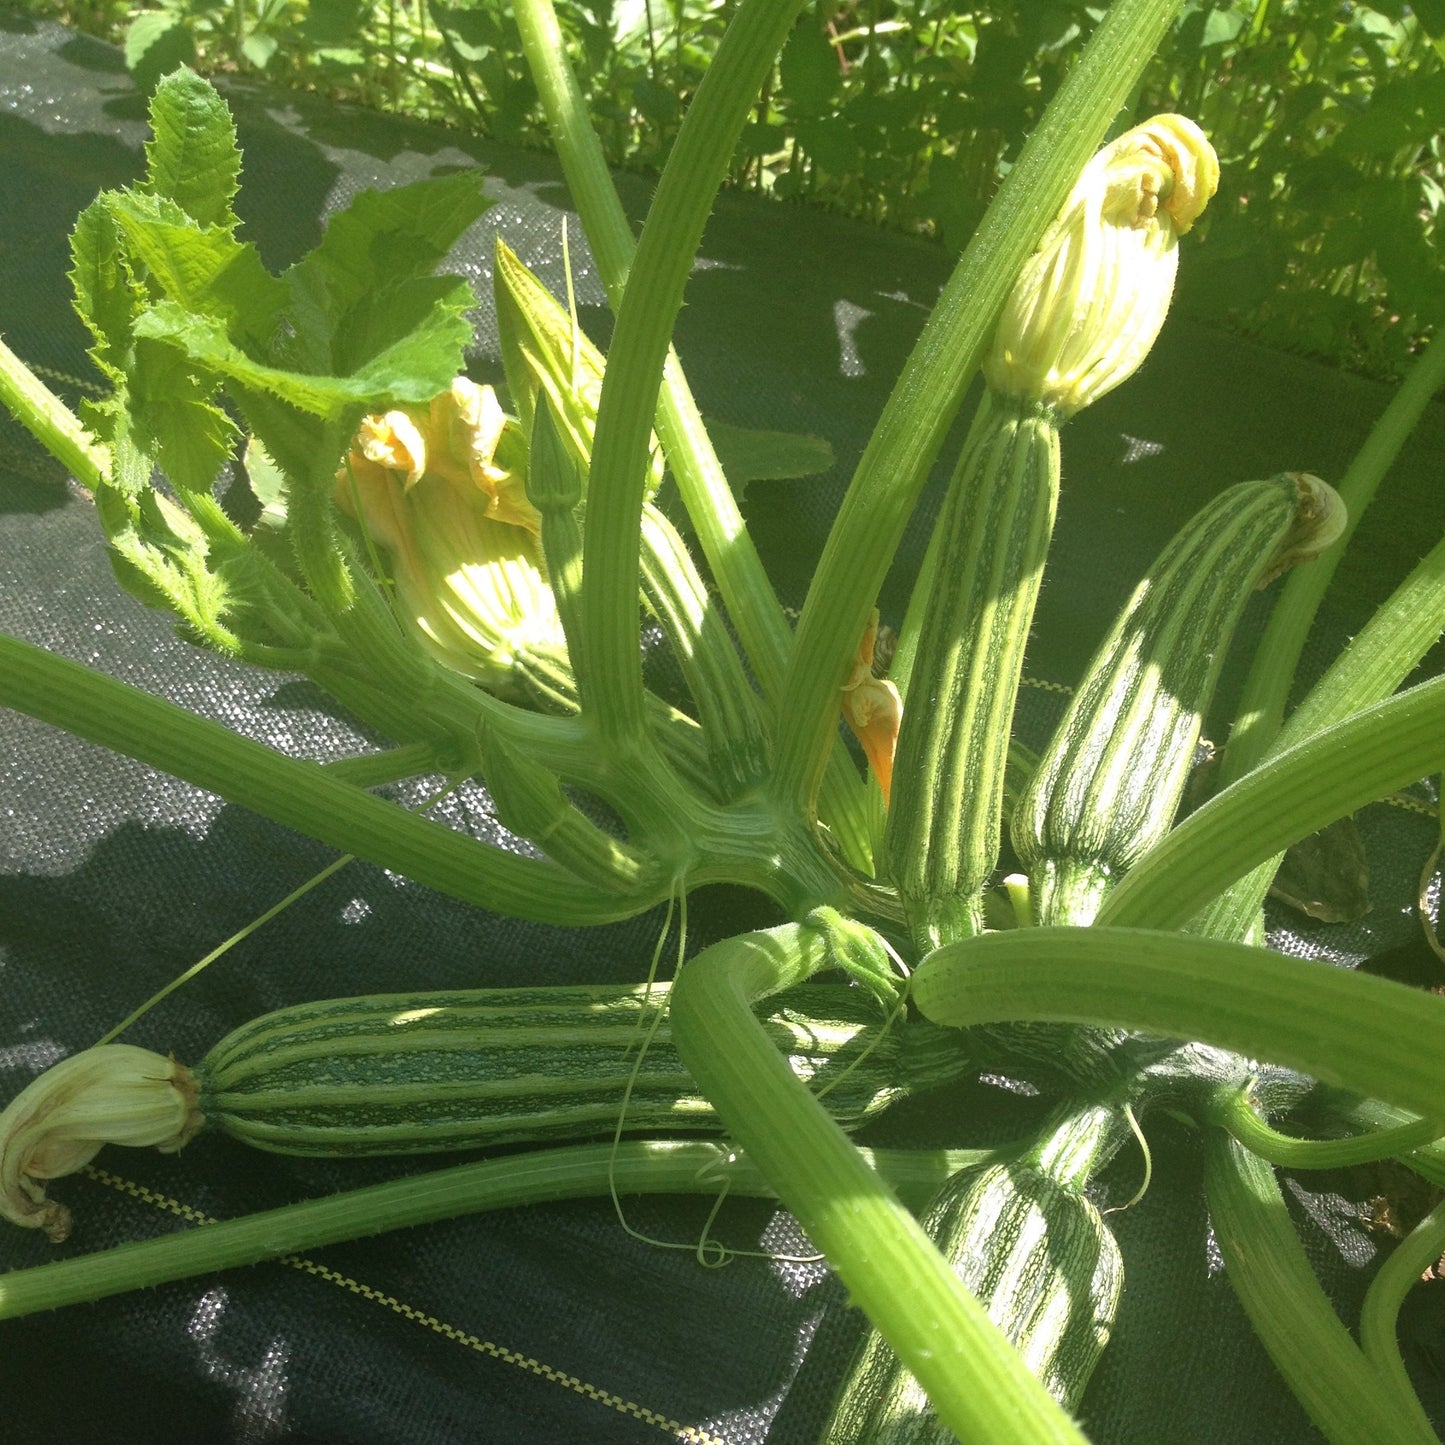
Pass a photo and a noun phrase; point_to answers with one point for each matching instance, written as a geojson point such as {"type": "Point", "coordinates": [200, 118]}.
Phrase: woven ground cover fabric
{"type": "Point", "coordinates": [552, 1323]}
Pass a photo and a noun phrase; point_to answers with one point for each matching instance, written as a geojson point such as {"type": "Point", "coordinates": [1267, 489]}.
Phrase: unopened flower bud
{"type": "Point", "coordinates": [113, 1094]}
{"type": "Point", "coordinates": [1091, 300]}
{"type": "Point", "coordinates": [546, 354]}
{"type": "Point", "coordinates": [873, 709]}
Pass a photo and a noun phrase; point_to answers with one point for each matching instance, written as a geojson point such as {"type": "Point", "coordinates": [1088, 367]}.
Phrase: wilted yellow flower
{"type": "Point", "coordinates": [113, 1094]}
{"type": "Point", "coordinates": [1089, 304]}
{"type": "Point", "coordinates": [441, 489]}
{"type": "Point", "coordinates": [873, 708]}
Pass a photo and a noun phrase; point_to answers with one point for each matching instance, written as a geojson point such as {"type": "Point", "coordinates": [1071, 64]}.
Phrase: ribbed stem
{"type": "Point", "coordinates": [727, 707]}
{"type": "Point", "coordinates": [709, 499]}
{"type": "Point", "coordinates": [298, 794]}
{"type": "Point", "coordinates": [1337, 1025]}
{"type": "Point", "coordinates": [637, 1167]}
{"type": "Point", "coordinates": [1264, 1261]}
{"type": "Point", "coordinates": [1266, 690]}
{"type": "Point", "coordinates": [978, 1384]}
{"type": "Point", "coordinates": [1235, 1114]}
{"type": "Point", "coordinates": [1401, 1272]}
{"type": "Point", "coordinates": [50, 421]}
{"type": "Point", "coordinates": [611, 651]}
{"type": "Point", "coordinates": [1379, 658]}
{"type": "Point", "coordinates": [711, 505]}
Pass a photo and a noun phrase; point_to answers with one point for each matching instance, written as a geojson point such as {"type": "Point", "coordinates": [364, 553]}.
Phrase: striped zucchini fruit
{"type": "Point", "coordinates": [1036, 1253]}
{"type": "Point", "coordinates": [1109, 784]}
{"type": "Point", "coordinates": [418, 1073]}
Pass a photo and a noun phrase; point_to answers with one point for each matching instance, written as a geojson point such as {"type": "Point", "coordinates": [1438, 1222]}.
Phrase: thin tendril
{"type": "Point", "coordinates": [245, 932]}
{"type": "Point", "coordinates": [241, 933]}
{"type": "Point", "coordinates": [1143, 1188]}
{"type": "Point", "coordinates": [709, 1252]}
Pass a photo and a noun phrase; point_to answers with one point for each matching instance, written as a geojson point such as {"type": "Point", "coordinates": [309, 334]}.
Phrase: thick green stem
{"type": "Point", "coordinates": [1345, 1395]}
{"type": "Point", "coordinates": [1401, 1272]}
{"type": "Point", "coordinates": [711, 506]}
{"type": "Point", "coordinates": [50, 421]}
{"type": "Point", "coordinates": [611, 652]}
{"type": "Point", "coordinates": [1427, 1160]}
{"type": "Point", "coordinates": [577, 1172]}
{"type": "Point", "coordinates": [1379, 658]}
{"type": "Point", "coordinates": [979, 1385]}
{"type": "Point", "coordinates": [1337, 1025]}
{"type": "Point", "coordinates": [1266, 690]}
{"type": "Point", "coordinates": [931, 387]}
{"type": "Point", "coordinates": [727, 706]}
{"type": "Point", "coordinates": [394, 765]}
{"type": "Point", "coordinates": [1238, 1117]}
{"type": "Point", "coordinates": [298, 794]}
{"type": "Point", "coordinates": [1330, 774]}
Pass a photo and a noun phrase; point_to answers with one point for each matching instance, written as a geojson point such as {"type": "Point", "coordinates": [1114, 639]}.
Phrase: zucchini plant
{"type": "Point", "coordinates": [469, 575]}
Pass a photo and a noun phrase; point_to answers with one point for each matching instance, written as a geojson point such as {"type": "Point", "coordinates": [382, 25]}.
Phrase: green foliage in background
{"type": "Point", "coordinates": [1325, 238]}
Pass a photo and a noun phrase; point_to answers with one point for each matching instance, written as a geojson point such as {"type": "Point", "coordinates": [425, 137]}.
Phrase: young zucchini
{"type": "Point", "coordinates": [415, 1073]}
{"type": "Point", "coordinates": [422, 1073]}
{"type": "Point", "coordinates": [1109, 783]}
{"type": "Point", "coordinates": [1037, 1255]}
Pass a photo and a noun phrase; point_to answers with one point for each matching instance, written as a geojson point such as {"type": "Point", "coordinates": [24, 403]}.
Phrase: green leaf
{"type": "Point", "coordinates": [409, 337]}
{"type": "Point", "coordinates": [748, 455]}
{"type": "Point", "coordinates": [156, 42]}
{"type": "Point", "coordinates": [429, 318]}
{"type": "Point", "coordinates": [259, 49]}
{"type": "Point", "coordinates": [106, 295]}
{"type": "Point", "coordinates": [330, 24]}
{"type": "Point", "coordinates": [193, 158]}
{"type": "Point", "coordinates": [190, 437]}
{"type": "Point", "coordinates": [381, 241]}
{"type": "Point", "coordinates": [1221, 27]}
{"type": "Point", "coordinates": [267, 482]}
{"type": "Point", "coordinates": [158, 555]}
{"type": "Point", "coordinates": [202, 268]}
{"type": "Point", "coordinates": [1371, 22]}
{"type": "Point", "coordinates": [295, 449]}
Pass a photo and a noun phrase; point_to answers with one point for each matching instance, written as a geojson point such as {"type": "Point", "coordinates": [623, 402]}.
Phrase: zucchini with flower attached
{"type": "Point", "coordinates": [428, 1072]}
{"type": "Point", "coordinates": [1079, 321]}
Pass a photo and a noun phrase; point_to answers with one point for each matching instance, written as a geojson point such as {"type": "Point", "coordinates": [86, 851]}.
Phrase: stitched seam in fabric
{"type": "Point", "coordinates": [689, 1434]}
{"type": "Point", "coordinates": [79, 382]}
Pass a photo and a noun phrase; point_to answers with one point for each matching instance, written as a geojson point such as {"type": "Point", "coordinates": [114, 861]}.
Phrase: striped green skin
{"type": "Point", "coordinates": [948, 782]}
{"type": "Point", "coordinates": [1042, 1262]}
{"type": "Point", "coordinates": [1109, 783]}
{"type": "Point", "coordinates": [420, 1073]}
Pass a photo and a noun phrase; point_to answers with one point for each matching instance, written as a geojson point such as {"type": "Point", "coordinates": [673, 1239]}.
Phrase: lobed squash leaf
{"type": "Point", "coordinates": [354, 284]}
{"type": "Point", "coordinates": [107, 297]}
{"type": "Point", "coordinates": [202, 268]}
{"type": "Point", "coordinates": [193, 158]}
